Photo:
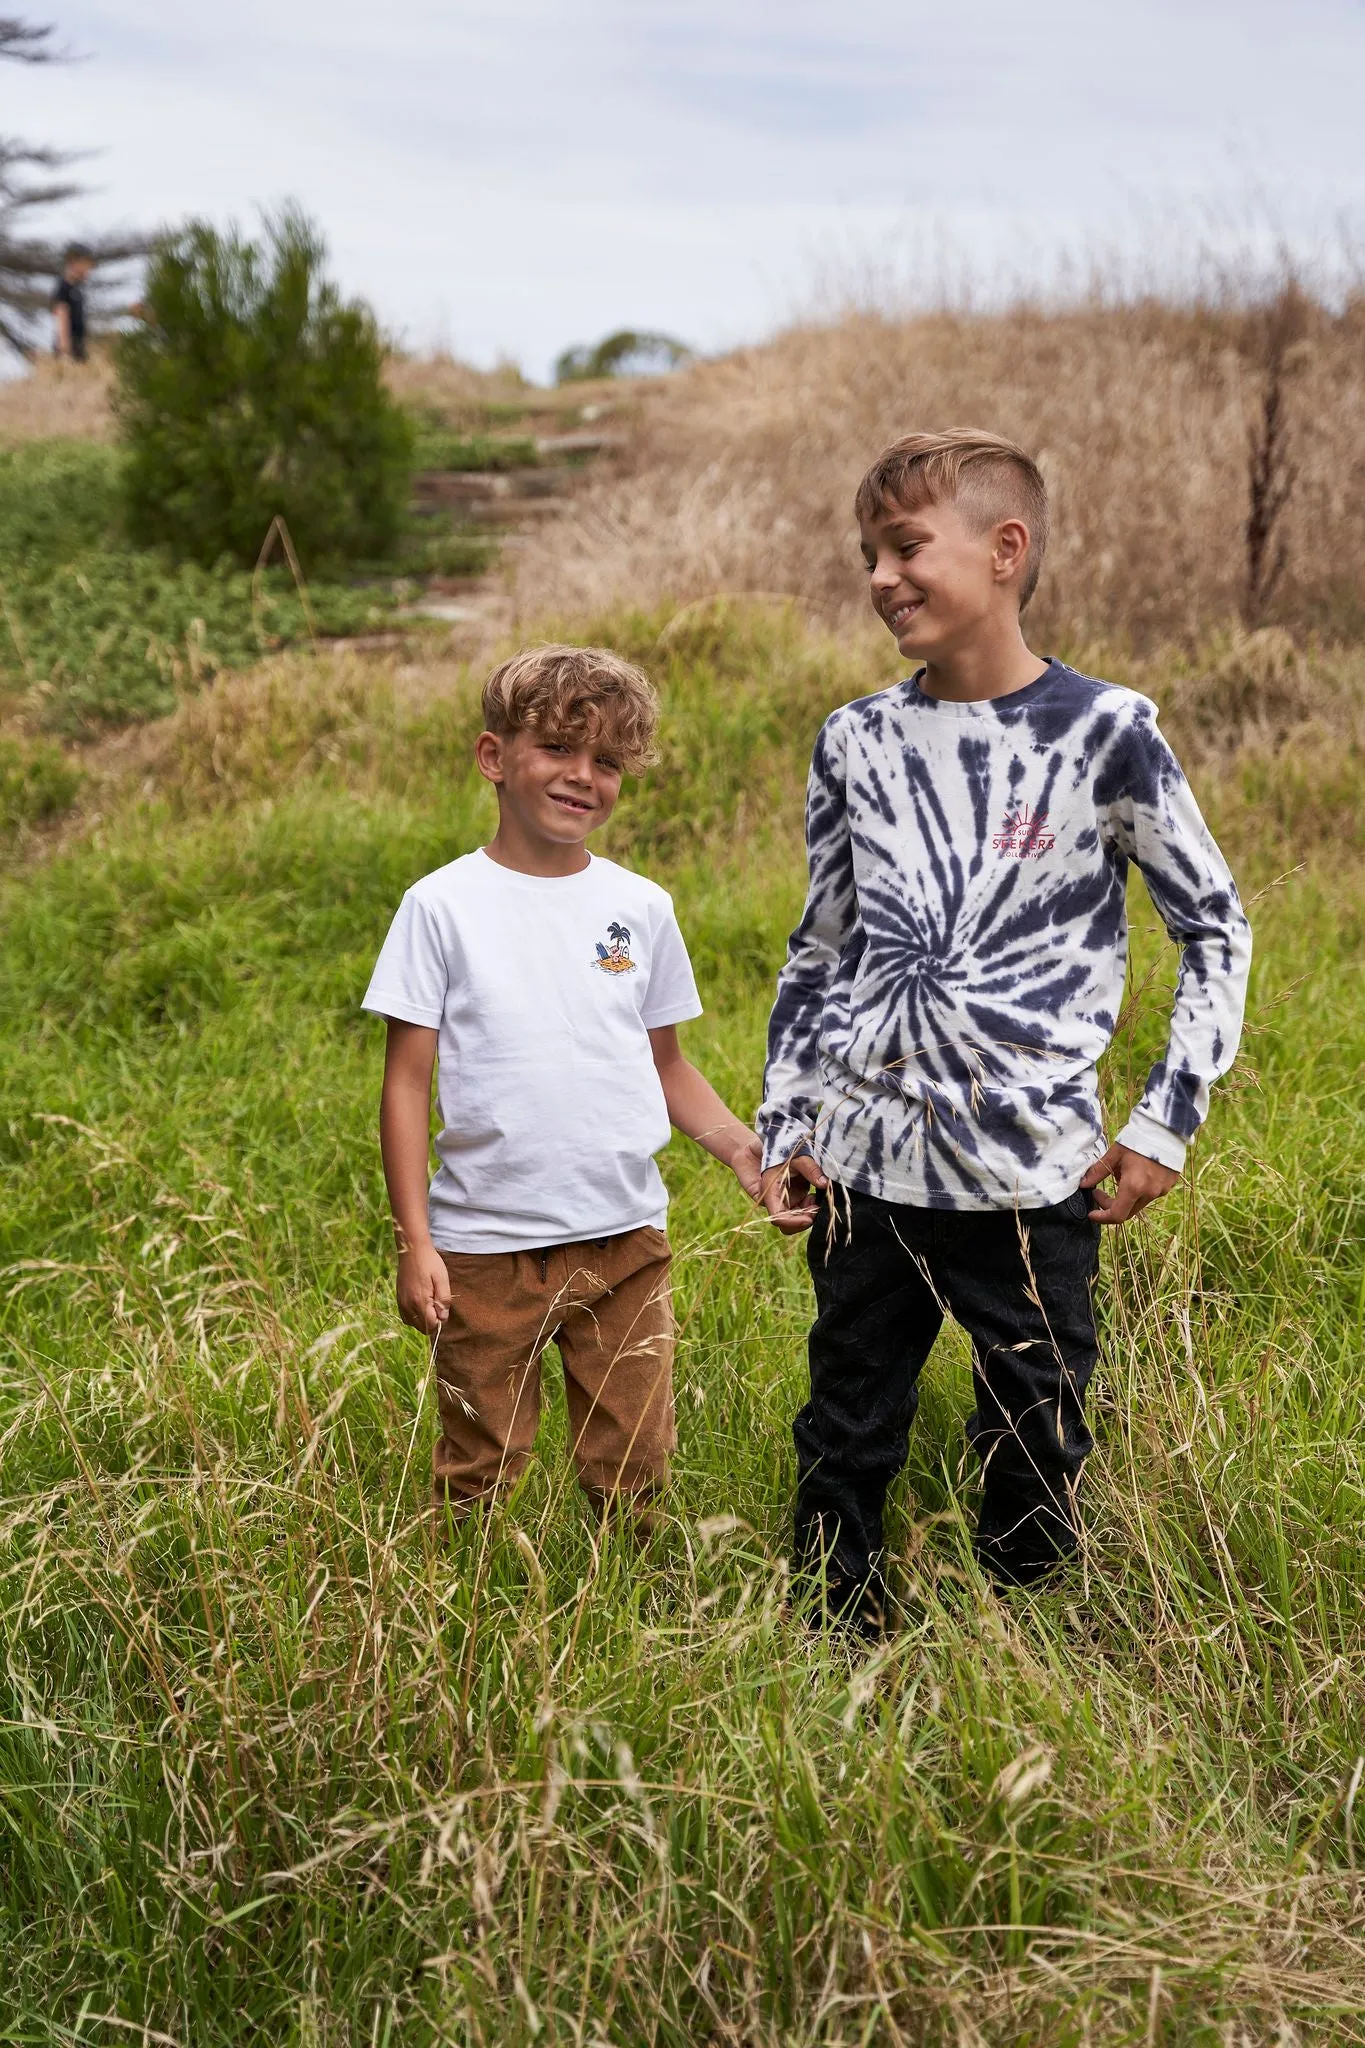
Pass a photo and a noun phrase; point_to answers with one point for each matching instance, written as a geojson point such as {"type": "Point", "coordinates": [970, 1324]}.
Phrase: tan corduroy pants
{"type": "Point", "coordinates": [607, 1306]}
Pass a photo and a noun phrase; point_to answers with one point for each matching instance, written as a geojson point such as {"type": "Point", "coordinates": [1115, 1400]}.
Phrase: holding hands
{"type": "Point", "coordinates": [790, 1192]}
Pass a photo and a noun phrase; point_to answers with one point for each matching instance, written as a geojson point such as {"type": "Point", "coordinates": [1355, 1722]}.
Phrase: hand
{"type": "Point", "coordinates": [790, 1191]}
{"type": "Point", "coordinates": [1138, 1181]}
{"type": "Point", "coordinates": [746, 1162]}
{"type": "Point", "coordinates": [423, 1288]}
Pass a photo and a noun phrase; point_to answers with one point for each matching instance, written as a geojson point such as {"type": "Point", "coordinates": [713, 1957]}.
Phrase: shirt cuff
{"type": "Point", "coordinates": [401, 1009]}
{"type": "Point", "coordinates": [1142, 1133]}
{"type": "Point", "coordinates": [783, 1137]}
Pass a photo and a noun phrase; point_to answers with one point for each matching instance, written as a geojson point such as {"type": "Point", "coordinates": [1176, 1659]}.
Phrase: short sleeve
{"type": "Point", "coordinates": [410, 977]}
{"type": "Point", "coordinates": [671, 995]}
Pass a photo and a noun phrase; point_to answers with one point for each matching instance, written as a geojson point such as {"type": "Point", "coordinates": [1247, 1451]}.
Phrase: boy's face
{"type": "Point", "coordinates": [78, 269]}
{"type": "Point", "coordinates": [934, 581]}
{"type": "Point", "coordinates": [558, 790]}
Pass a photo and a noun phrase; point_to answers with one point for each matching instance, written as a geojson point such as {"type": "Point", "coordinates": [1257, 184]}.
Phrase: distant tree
{"type": "Point", "coordinates": [623, 354]}
{"type": "Point", "coordinates": [251, 389]}
{"type": "Point", "coordinates": [30, 262]}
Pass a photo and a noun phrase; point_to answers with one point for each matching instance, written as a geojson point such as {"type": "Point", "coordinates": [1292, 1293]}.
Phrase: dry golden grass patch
{"type": "Point", "coordinates": [744, 469]}
{"type": "Point", "coordinates": [53, 400]}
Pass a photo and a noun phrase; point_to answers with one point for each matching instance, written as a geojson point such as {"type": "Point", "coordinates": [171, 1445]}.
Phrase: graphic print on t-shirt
{"type": "Point", "coordinates": [1025, 835]}
{"type": "Point", "coordinates": [614, 957]}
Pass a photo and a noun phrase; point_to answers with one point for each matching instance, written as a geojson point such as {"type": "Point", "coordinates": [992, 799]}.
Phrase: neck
{"type": "Point", "coordinates": [996, 664]}
{"type": "Point", "coordinates": [512, 846]}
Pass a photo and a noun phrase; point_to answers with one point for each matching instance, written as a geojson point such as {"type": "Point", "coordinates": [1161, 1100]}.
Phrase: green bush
{"type": "Point", "coordinates": [253, 389]}
{"type": "Point", "coordinates": [93, 633]}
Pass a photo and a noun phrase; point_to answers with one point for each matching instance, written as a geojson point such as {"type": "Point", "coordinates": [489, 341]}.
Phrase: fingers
{"type": "Point", "coordinates": [747, 1167]}
{"type": "Point", "coordinates": [1138, 1182]}
{"type": "Point", "coordinates": [791, 1193]}
{"type": "Point", "coordinates": [1118, 1207]}
{"type": "Point", "coordinates": [1102, 1168]}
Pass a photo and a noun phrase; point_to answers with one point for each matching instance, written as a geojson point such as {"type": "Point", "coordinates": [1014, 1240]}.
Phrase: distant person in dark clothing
{"type": "Point", "coordinates": [68, 304]}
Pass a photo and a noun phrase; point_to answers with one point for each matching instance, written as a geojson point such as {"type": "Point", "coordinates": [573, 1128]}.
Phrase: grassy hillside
{"type": "Point", "coordinates": [274, 1766]}
{"type": "Point", "coordinates": [742, 476]}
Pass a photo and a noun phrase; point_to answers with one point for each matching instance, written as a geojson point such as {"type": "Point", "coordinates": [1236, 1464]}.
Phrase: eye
{"type": "Point", "coordinates": [609, 763]}
{"type": "Point", "coordinates": [554, 746]}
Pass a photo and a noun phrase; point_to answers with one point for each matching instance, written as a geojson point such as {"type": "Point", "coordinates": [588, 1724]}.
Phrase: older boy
{"type": "Point", "coordinates": [956, 975]}
{"type": "Point", "coordinates": [550, 983]}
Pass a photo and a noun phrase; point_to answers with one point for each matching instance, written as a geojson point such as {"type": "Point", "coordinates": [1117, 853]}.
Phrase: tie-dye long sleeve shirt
{"type": "Point", "coordinates": [960, 964]}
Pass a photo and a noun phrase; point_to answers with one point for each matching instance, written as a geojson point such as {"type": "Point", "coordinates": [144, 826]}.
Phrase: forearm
{"type": "Point", "coordinates": [1159, 826]}
{"type": "Point", "coordinates": [790, 1107]}
{"type": "Point", "coordinates": [404, 1114]}
{"type": "Point", "coordinates": [1206, 1026]}
{"type": "Point", "coordinates": [695, 1109]}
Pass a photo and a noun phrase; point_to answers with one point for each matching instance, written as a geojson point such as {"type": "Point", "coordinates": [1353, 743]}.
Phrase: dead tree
{"type": "Point", "coordinates": [30, 179]}
{"type": "Point", "coordinates": [1272, 338]}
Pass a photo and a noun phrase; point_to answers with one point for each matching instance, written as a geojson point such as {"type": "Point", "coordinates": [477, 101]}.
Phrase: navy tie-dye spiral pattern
{"type": "Point", "coordinates": [960, 964]}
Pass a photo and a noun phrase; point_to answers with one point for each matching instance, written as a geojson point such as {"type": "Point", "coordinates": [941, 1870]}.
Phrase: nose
{"type": "Point", "coordinates": [578, 768]}
{"type": "Point", "coordinates": [886, 574]}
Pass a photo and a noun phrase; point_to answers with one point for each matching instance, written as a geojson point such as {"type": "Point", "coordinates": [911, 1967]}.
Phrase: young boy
{"type": "Point", "coordinates": [931, 1110]}
{"type": "Point", "coordinates": [550, 984]}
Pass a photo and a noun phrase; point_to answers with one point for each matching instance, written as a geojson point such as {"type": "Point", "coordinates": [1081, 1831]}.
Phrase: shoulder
{"type": "Point", "coordinates": [1095, 696]}
{"type": "Point", "coordinates": [1131, 756]}
{"type": "Point", "coordinates": [864, 717]}
{"type": "Point", "coordinates": [864, 722]}
{"type": "Point", "coordinates": [628, 887]}
{"type": "Point", "coordinates": [455, 883]}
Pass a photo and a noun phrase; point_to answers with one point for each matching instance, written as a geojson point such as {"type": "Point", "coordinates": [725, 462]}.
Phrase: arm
{"type": "Point", "coordinates": [61, 314]}
{"type": "Point", "coordinates": [405, 1142]}
{"type": "Point", "coordinates": [792, 1089]}
{"type": "Point", "coordinates": [1156, 823]}
{"type": "Point", "coordinates": [697, 1111]}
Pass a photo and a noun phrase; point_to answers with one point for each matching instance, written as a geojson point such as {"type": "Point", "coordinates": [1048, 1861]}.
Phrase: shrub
{"type": "Point", "coordinates": [94, 633]}
{"type": "Point", "coordinates": [253, 389]}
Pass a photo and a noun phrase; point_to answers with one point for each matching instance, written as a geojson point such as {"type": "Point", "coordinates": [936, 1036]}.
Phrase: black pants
{"type": "Point", "coordinates": [1021, 1284]}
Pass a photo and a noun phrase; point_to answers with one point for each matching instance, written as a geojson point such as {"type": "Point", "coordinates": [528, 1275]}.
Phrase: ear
{"type": "Point", "coordinates": [1011, 548]}
{"type": "Point", "coordinates": [488, 756]}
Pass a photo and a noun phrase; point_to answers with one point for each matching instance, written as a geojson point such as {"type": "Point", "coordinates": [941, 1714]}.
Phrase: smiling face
{"type": "Point", "coordinates": [936, 581]}
{"type": "Point", "coordinates": [550, 792]}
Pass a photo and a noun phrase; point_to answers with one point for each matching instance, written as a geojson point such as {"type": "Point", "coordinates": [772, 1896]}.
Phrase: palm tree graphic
{"type": "Point", "coordinates": [615, 957]}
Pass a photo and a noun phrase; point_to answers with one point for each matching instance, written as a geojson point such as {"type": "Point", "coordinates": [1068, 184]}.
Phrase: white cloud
{"type": "Point", "coordinates": [525, 173]}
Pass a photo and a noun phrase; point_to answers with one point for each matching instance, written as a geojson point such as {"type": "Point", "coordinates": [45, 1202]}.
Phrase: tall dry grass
{"type": "Point", "coordinates": [52, 400]}
{"type": "Point", "coordinates": [743, 471]}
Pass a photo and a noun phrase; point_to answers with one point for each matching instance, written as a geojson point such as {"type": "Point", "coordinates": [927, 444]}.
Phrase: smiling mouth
{"type": "Point", "coordinates": [573, 803]}
{"type": "Point", "coordinates": [900, 617]}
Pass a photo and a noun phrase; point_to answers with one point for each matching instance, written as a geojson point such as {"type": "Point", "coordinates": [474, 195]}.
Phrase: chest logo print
{"type": "Point", "coordinates": [614, 957]}
{"type": "Point", "coordinates": [1025, 835]}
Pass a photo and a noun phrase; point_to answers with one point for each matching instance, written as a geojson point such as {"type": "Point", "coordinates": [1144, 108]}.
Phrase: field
{"type": "Point", "coordinates": [276, 1765]}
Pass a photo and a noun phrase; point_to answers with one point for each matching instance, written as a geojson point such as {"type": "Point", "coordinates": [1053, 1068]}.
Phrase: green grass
{"type": "Point", "coordinates": [274, 1766]}
{"type": "Point", "coordinates": [440, 447]}
{"type": "Point", "coordinates": [95, 633]}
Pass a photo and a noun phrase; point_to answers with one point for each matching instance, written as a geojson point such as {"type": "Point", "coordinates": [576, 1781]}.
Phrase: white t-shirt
{"type": "Point", "coordinates": [544, 991]}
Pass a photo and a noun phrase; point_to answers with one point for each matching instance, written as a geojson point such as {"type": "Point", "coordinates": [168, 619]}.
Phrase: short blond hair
{"type": "Point", "coordinates": [989, 477]}
{"type": "Point", "coordinates": [577, 694]}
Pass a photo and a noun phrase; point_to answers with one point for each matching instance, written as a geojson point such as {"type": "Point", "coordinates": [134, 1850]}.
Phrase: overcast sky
{"type": "Point", "coordinates": [509, 176]}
